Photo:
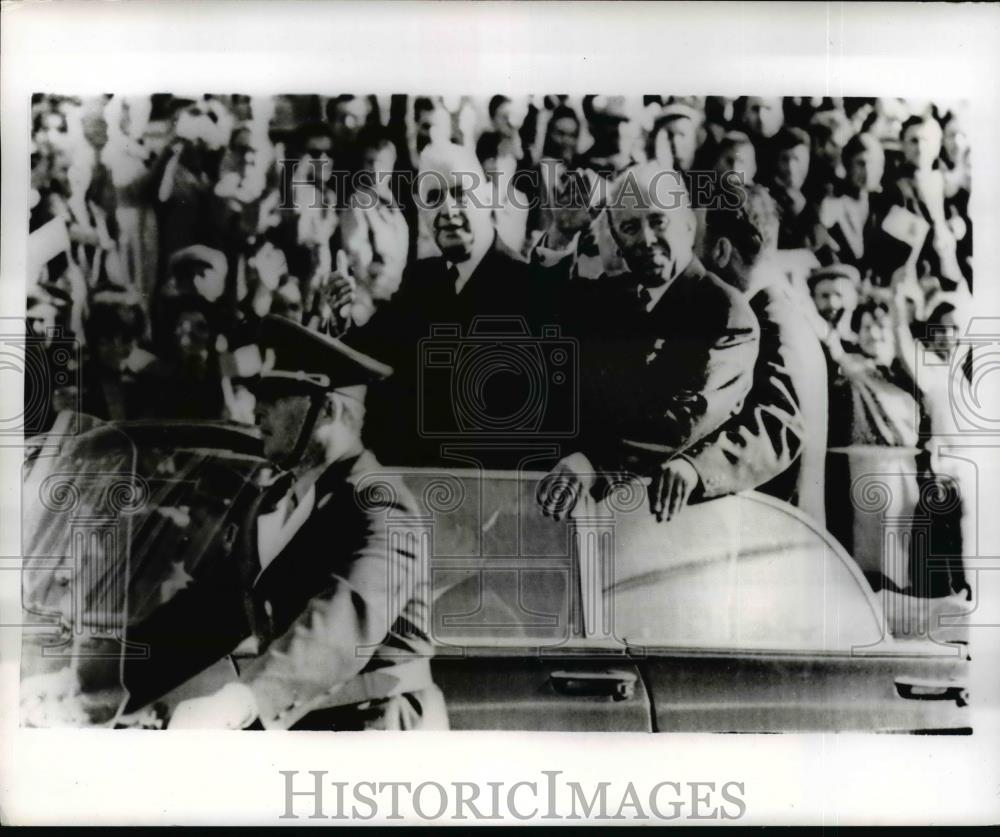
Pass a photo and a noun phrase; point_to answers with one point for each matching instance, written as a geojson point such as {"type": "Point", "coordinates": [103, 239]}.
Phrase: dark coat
{"type": "Point", "coordinates": [777, 442]}
{"type": "Point", "coordinates": [347, 595]}
{"type": "Point", "coordinates": [433, 338]}
{"type": "Point", "coordinates": [654, 382]}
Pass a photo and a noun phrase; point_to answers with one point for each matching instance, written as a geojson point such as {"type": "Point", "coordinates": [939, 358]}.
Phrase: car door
{"type": "Point", "coordinates": [507, 619]}
{"type": "Point", "coordinates": [746, 617]}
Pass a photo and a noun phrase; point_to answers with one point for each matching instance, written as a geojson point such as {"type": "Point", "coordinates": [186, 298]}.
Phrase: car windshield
{"type": "Point", "coordinates": [122, 517]}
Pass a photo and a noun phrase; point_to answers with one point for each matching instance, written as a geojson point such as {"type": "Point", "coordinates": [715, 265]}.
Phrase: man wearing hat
{"type": "Point", "coordinates": [675, 136]}
{"type": "Point", "coordinates": [341, 595]}
{"type": "Point", "coordinates": [835, 291]}
{"type": "Point", "coordinates": [608, 120]}
{"type": "Point", "coordinates": [199, 269]}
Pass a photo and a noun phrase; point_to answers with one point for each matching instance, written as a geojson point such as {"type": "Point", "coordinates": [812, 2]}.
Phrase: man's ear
{"type": "Point", "coordinates": [722, 252]}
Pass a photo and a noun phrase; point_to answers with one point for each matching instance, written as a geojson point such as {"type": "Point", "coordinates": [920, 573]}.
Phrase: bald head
{"type": "Point", "coordinates": [652, 222]}
{"type": "Point", "coordinates": [454, 199]}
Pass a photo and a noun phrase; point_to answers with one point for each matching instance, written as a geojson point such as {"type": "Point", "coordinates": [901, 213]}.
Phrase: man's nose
{"type": "Point", "coordinates": [451, 207]}
{"type": "Point", "coordinates": [649, 234]}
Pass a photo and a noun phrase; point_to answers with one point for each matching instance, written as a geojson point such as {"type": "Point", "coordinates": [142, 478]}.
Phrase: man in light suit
{"type": "Point", "coordinates": [777, 442]}
{"type": "Point", "coordinates": [341, 596]}
{"type": "Point", "coordinates": [667, 350]}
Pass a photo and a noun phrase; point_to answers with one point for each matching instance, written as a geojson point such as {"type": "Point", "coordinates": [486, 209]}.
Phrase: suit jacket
{"type": "Point", "coordinates": [412, 415]}
{"type": "Point", "coordinates": [777, 442]}
{"type": "Point", "coordinates": [347, 594]}
{"type": "Point", "coordinates": [654, 382]}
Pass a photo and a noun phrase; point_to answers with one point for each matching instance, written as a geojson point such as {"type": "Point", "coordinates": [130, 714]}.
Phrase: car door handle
{"type": "Point", "coordinates": [916, 689]}
{"type": "Point", "coordinates": [613, 683]}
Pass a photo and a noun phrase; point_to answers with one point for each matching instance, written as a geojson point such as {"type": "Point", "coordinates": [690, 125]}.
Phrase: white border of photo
{"type": "Point", "coordinates": [923, 51]}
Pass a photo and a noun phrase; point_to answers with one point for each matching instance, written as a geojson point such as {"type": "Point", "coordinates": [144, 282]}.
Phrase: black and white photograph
{"type": "Point", "coordinates": [660, 406]}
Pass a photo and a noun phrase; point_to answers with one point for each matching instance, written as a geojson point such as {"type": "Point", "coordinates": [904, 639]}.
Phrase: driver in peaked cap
{"type": "Point", "coordinates": [342, 593]}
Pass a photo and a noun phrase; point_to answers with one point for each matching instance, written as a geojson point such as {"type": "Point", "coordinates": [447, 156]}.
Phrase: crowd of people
{"type": "Point", "coordinates": [812, 255]}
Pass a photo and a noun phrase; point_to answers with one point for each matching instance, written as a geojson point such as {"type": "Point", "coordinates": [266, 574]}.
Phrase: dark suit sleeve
{"type": "Point", "coordinates": [766, 436]}
{"type": "Point", "coordinates": [704, 384]}
{"type": "Point", "coordinates": [342, 626]}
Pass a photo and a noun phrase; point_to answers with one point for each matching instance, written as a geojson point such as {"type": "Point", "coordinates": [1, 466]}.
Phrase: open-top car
{"type": "Point", "coordinates": [739, 615]}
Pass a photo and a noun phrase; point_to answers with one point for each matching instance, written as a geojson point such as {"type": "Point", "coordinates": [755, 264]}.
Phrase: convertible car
{"type": "Point", "coordinates": [740, 615]}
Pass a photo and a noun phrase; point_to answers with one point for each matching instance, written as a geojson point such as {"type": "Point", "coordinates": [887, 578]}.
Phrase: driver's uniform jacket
{"type": "Point", "coordinates": [342, 604]}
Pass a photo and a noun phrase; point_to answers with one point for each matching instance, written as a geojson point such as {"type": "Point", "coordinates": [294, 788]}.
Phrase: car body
{"type": "Point", "coordinates": [739, 615]}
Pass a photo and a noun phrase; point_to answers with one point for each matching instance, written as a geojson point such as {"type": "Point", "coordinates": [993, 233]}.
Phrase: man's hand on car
{"type": "Point", "coordinates": [671, 488]}
{"type": "Point", "coordinates": [559, 492]}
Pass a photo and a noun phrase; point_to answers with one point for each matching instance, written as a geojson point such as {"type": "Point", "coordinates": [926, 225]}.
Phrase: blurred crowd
{"type": "Point", "coordinates": [165, 228]}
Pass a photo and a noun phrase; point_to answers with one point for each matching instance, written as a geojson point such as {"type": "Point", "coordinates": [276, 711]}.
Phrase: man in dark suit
{"type": "Point", "coordinates": [777, 442]}
{"type": "Point", "coordinates": [342, 594]}
{"type": "Point", "coordinates": [432, 327]}
{"type": "Point", "coordinates": [668, 349]}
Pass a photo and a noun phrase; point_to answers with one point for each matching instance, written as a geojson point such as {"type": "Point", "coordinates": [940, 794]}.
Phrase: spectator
{"type": "Point", "coordinates": [799, 216]}
{"type": "Point", "coordinates": [431, 124]}
{"type": "Point", "coordinates": [736, 154]}
{"type": "Point", "coordinates": [919, 187]}
{"type": "Point", "coordinates": [186, 380]}
{"type": "Point", "coordinates": [938, 366]}
{"type": "Point", "coordinates": [607, 119]}
{"type": "Point", "coordinates": [875, 423]}
{"type": "Point", "coordinates": [309, 205]}
{"type": "Point", "coordinates": [347, 115]}
{"type": "Point", "coordinates": [185, 178]}
{"type": "Point", "coordinates": [835, 291]}
{"type": "Point", "coordinates": [675, 137]}
{"type": "Point", "coordinates": [829, 130]}
{"type": "Point", "coordinates": [761, 118]}
{"type": "Point", "coordinates": [882, 402]}
{"type": "Point", "coordinates": [541, 183]}
{"type": "Point", "coordinates": [674, 141]}
{"type": "Point", "coordinates": [112, 374]}
{"type": "Point", "coordinates": [373, 231]}
{"type": "Point", "coordinates": [854, 218]}
{"type": "Point", "coordinates": [510, 205]}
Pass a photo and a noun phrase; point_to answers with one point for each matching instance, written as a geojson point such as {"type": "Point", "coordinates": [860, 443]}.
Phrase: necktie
{"type": "Point", "coordinates": [644, 297]}
{"type": "Point", "coordinates": [453, 277]}
{"type": "Point", "coordinates": [291, 503]}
